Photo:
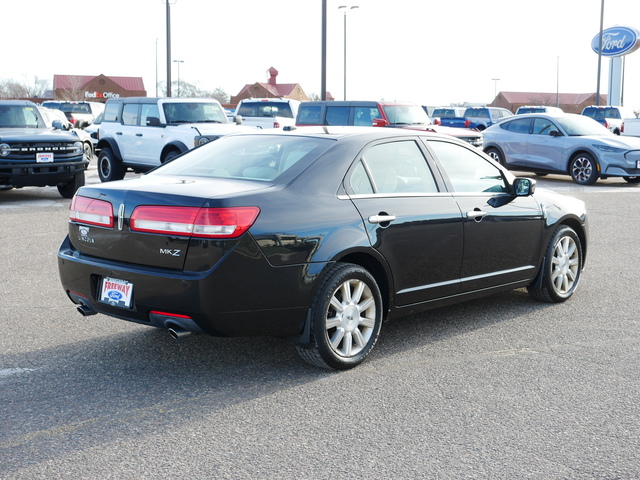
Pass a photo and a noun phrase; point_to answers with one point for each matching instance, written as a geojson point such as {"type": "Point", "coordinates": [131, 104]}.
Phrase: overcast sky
{"type": "Point", "coordinates": [426, 51]}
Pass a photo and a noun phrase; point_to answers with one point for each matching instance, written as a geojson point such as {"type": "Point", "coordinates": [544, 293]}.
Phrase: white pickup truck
{"type": "Point", "coordinates": [267, 112]}
{"type": "Point", "coordinates": [630, 127]}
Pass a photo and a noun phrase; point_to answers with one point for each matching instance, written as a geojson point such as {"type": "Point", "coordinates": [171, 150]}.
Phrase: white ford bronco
{"type": "Point", "coordinates": [140, 133]}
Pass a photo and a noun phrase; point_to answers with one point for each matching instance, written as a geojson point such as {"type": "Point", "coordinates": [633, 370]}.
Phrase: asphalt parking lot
{"type": "Point", "coordinates": [499, 388]}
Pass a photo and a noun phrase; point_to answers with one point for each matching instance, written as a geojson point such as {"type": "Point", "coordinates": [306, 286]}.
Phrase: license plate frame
{"type": "Point", "coordinates": [116, 292]}
{"type": "Point", "coordinates": [44, 157]}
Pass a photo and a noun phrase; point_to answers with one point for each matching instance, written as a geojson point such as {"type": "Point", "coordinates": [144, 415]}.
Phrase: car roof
{"type": "Point", "coordinates": [338, 132]}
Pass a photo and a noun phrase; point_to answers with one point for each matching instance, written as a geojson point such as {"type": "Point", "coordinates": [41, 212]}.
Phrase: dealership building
{"type": "Point", "coordinates": [96, 88]}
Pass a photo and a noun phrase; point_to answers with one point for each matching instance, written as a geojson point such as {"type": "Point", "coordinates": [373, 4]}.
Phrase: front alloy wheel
{"type": "Point", "coordinates": [345, 315]}
{"type": "Point", "coordinates": [584, 169]}
{"type": "Point", "coordinates": [561, 268]}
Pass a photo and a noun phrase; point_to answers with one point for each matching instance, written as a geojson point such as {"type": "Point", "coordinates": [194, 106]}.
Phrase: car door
{"type": "Point", "coordinates": [514, 141]}
{"type": "Point", "coordinates": [546, 146]}
{"type": "Point", "coordinates": [150, 135]}
{"type": "Point", "coordinates": [502, 232]}
{"type": "Point", "coordinates": [414, 225]}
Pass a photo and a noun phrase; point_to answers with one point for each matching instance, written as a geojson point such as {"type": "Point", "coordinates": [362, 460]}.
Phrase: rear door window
{"type": "Point", "coordinates": [337, 116]}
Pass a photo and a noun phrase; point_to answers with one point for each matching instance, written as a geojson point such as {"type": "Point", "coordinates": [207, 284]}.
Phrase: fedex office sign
{"type": "Point", "coordinates": [101, 95]}
{"type": "Point", "coordinates": [617, 41]}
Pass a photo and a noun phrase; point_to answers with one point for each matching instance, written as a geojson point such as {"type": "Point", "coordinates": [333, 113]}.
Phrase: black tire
{"type": "Point", "coordinates": [67, 190]}
{"type": "Point", "coordinates": [109, 168]}
{"type": "Point", "coordinates": [496, 155]}
{"type": "Point", "coordinates": [561, 268]}
{"type": "Point", "coordinates": [170, 155]}
{"type": "Point", "coordinates": [584, 169]}
{"type": "Point", "coordinates": [345, 316]}
{"type": "Point", "coordinates": [632, 179]}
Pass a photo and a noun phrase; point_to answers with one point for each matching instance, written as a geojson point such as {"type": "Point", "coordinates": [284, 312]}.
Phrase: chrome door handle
{"type": "Point", "coordinates": [476, 214]}
{"type": "Point", "coordinates": [381, 218]}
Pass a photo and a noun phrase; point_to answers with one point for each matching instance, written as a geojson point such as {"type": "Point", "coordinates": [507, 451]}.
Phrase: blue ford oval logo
{"type": "Point", "coordinates": [616, 41]}
{"type": "Point", "coordinates": [115, 295]}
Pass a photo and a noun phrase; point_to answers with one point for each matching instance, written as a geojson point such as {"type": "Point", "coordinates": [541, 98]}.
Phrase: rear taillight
{"type": "Point", "coordinates": [467, 123]}
{"type": "Point", "coordinates": [276, 124]}
{"type": "Point", "coordinates": [194, 222]}
{"type": "Point", "coordinates": [72, 121]}
{"type": "Point", "coordinates": [91, 211]}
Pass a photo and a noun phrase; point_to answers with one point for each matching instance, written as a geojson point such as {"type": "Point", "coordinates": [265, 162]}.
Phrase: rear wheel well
{"type": "Point", "coordinates": [378, 272]}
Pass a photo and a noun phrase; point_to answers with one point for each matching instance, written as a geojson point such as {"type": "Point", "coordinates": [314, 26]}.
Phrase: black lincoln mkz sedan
{"type": "Point", "coordinates": [316, 234]}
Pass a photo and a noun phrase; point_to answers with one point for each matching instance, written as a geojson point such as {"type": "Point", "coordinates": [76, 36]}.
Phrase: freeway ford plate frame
{"type": "Point", "coordinates": [44, 157]}
{"type": "Point", "coordinates": [116, 292]}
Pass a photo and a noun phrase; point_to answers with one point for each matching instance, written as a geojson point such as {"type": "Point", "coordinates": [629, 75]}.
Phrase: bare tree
{"type": "Point", "coordinates": [75, 92]}
{"type": "Point", "coordinates": [187, 89]}
{"type": "Point", "coordinates": [10, 88]}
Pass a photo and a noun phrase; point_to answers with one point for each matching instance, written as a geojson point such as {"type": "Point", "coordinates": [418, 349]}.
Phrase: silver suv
{"type": "Point", "coordinates": [141, 133]}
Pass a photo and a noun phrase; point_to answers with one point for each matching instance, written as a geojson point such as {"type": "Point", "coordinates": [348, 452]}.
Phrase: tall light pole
{"type": "Point", "coordinates": [168, 48]}
{"type": "Point", "coordinates": [600, 52]}
{"type": "Point", "coordinates": [178, 62]}
{"type": "Point", "coordinates": [495, 88]}
{"type": "Point", "coordinates": [346, 8]}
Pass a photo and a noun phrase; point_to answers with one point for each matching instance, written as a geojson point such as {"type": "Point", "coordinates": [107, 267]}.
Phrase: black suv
{"type": "Point", "coordinates": [33, 155]}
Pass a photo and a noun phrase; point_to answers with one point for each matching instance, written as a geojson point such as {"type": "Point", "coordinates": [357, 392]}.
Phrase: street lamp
{"type": "Point", "coordinates": [178, 62]}
{"type": "Point", "coordinates": [346, 8]}
{"type": "Point", "coordinates": [495, 88]}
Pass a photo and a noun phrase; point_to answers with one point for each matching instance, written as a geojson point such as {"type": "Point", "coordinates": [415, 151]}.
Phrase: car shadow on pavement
{"type": "Point", "coordinates": [122, 384]}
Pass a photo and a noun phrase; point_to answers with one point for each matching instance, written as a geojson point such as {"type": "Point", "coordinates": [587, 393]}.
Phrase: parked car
{"type": "Point", "coordinates": [610, 116]}
{"type": "Point", "coordinates": [140, 133]}
{"type": "Point", "coordinates": [32, 154]}
{"type": "Point", "coordinates": [537, 109]}
{"type": "Point", "coordinates": [81, 114]}
{"type": "Point", "coordinates": [378, 114]}
{"type": "Point", "coordinates": [477, 117]}
{"type": "Point", "coordinates": [267, 112]}
{"type": "Point", "coordinates": [49, 115]}
{"type": "Point", "coordinates": [567, 144]}
{"type": "Point", "coordinates": [445, 112]}
{"type": "Point", "coordinates": [317, 234]}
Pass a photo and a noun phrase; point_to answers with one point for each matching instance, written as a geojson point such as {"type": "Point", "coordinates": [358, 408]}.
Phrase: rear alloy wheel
{"type": "Point", "coordinates": [584, 169]}
{"type": "Point", "coordinates": [496, 155]}
{"type": "Point", "coordinates": [345, 316]}
{"type": "Point", "coordinates": [109, 168]}
{"type": "Point", "coordinates": [561, 267]}
{"type": "Point", "coordinates": [67, 190]}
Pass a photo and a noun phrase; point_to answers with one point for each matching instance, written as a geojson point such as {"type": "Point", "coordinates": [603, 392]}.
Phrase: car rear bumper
{"type": "Point", "coordinates": [264, 301]}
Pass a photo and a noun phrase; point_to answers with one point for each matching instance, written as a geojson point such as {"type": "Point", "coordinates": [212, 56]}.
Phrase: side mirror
{"type": "Point", "coordinates": [524, 187]}
{"type": "Point", "coordinates": [237, 119]}
{"type": "Point", "coordinates": [555, 133]}
{"type": "Point", "coordinates": [57, 125]}
{"type": "Point", "coordinates": [380, 122]}
{"type": "Point", "coordinates": [153, 122]}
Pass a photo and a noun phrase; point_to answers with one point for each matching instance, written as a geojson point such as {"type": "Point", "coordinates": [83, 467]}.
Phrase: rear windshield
{"type": "Point", "coordinates": [476, 113]}
{"type": "Point", "coordinates": [444, 112]}
{"type": "Point", "coordinates": [251, 157]}
{"type": "Point", "coordinates": [75, 107]}
{"type": "Point", "coordinates": [265, 109]}
{"type": "Point", "coordinates": [600, 113]}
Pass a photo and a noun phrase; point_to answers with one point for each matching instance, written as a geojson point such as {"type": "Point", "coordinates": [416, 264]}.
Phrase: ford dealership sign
{"type": "Point", "coordinates": [617, 41]}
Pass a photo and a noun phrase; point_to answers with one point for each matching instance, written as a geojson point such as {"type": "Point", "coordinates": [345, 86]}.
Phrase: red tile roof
{"type": "Point", "coordinates": [68, 82]}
